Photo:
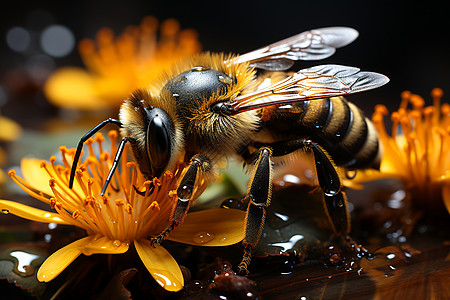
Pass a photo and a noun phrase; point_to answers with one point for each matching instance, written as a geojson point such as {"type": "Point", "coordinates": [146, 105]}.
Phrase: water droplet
{"type": "Point", "coordinates": [166, 280]}
{"type": "Point", "coordinates": [197, 69]}
{"type": "Point", "coordinates": [390, 256]}
{"type": "Point", "coordinates": [5, 211]}
{"type": "Point", "coordinates": [350, 174]}
{"type": "Point", "coordinates": [233, 203]}
{"type": "Point", "coordinates": [203, 237]}
{"type": "Point", "coordinates": [223, 240]}
{"type": "Point", "coordinates": [117, 243]}
{"type": "Point", "coordinates": [225, 79]}
{"type": "Point", "coordinates": [290, 178]}
{"type": "Point", "coordinates": [23, 266]}
{"type": "Point", "coordinates": [48, 238]}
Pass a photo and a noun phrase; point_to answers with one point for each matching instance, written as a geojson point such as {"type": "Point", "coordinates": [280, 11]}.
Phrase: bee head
{"type": "Point", "coordinates": [152, 131]}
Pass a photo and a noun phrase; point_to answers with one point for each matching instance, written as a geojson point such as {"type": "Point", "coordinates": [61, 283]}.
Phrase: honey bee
{"type": "Point", "coordinates": [212, 107]}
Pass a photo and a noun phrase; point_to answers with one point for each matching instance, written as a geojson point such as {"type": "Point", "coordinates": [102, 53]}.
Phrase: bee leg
{"type": "Point", "coordinates": [259, 194]}
{"type": "Point", "coordinates": [184, 193]}
{"type": "Point", "coordinates": [335, 199]}
{"type": "Point", "coordinates": [329, 181]}
{"type": "Point", "coordinates": [83, 140]}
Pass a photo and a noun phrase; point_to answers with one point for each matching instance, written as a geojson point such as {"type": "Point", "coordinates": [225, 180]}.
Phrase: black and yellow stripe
{"type": "Point", "coordinates": [335, 124]}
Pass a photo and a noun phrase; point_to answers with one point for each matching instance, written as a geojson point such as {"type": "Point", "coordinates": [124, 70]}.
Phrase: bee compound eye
{"type": "Point", "coordinates": [220, 108]}
{"type": "Point", "coordinates": [160, 133]}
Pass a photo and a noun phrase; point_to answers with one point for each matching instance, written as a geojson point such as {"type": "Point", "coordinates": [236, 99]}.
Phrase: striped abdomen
{"type": "Point", "coordinates": [335, 124]}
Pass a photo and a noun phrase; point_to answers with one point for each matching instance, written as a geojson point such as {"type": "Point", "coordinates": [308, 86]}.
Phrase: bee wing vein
{"type": "Point", "coordinates": [311, 83]}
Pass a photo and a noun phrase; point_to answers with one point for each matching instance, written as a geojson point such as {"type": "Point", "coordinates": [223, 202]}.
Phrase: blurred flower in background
{"type": "Point", "coordinates": [9, 132]}
{"type": "Point", "coordinates": [118, 65]}
{"type": "Point", "coordinates": [417, 150]}
{"type": "Point", "coordinates": [132, 210]}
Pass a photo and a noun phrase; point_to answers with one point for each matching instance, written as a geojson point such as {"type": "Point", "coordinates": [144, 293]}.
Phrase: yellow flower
{"type": "Point", "coordinates": [417, 150]}
{"type": "Point", "coordinates": [9, 131]}
{"type": "Point", "coordinates": [133, 210]}
{"type": "Point", "coordinates": [118, 65]}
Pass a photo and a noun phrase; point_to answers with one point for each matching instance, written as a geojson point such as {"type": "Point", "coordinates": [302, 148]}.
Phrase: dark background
{"type": "Point", "coordinates": [408, 42]}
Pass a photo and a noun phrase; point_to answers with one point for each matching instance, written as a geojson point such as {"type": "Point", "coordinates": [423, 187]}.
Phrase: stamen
{"type": "Point", "coordinates": [147, 218]}
{"type": "Point", "coordinates": [60, 198]}
{"type": "Point", "coordinates": [113, 137]}
{"type": "Point", "coordinates": [81, 183]}
{"type": "Point", "coordinates": [395, 117]}
{"type": "Point", "coordinates": [437, 95]}
{"type": "Point", "coordinates": [100, 139]}
{"type": "Point", "coordinates": [121, 224]}
{"type": "Point", "coordinates": [41, 196]}
{"type": "Point", "coordinates": [405, 96]}
{"type": "Point", "coordinates": [89, 143]}
{"type": "Point", "coordinates": [76, 214]}
{"type": "Point", "coordinates": [131, 165]}
{"type": "Point", "coordinates": [94, 166]}
{"type": "Point", "coordinates": [64, 151]}
{"type": "Point", "coordinates": [109, 216]}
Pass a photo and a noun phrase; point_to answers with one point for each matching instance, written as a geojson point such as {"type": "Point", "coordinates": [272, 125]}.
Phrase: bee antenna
{"type": "Point", "coordinates": [83, 140]}
{"type": "Point", "coordinates": [115, 163]}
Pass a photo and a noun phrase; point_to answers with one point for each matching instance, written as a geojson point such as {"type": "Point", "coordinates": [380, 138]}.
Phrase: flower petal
{"type": "Point", "coordinates": [446, 195]}
{"type": "Point", "coordinates": [30, 213]}
{"type": "Point", "coordinates": [89, 245]}
{"type": "Point", "coordinates": [58, 261]}
{"type": "Point", "coordinates": [2, 177]}
{"type": "Point", "coordinates": [161, 265]}
{"type": "Point", "coordinates": [73, 88]}
{"type": "Point", "coordinates": [212, 227]}
{"type": "Point", "coordinates": [34, 175]}
{"type": "Point", "coordinates": [10, 130]}
{"type": "Point", "coordinates": [104, 245]}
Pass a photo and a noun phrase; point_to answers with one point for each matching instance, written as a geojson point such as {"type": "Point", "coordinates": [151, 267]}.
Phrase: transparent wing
{"type": "Point", "coordinates": [307, 84]}
{"type": "Point", "coordinates": [310, 45]}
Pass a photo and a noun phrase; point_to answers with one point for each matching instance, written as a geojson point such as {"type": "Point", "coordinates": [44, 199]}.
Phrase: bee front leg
{"type": "Point", "coordinates": [184, 193]}
{"type": "Point", "coordinates": [259, 194]}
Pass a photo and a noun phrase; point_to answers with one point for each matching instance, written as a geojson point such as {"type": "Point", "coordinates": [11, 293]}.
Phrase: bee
{"type": "Point", "coordinates": [213, 107]}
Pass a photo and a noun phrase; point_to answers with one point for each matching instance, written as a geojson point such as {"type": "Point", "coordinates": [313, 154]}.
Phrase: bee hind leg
{"type": "Point", "coordinates": [184, 193]}
{"type": "Point", "coordinates": [259, 194]}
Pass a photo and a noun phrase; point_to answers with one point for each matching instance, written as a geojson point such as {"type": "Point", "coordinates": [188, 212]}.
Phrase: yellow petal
{"type": "Point", "coordinates": [3, 156]}
{"type": "Point", "coordinates": [34, 175]}
{"type": "Point", "coordinates": [2, 177]}
{"type": "Point", "coordinates": [161, 265]}
{"type": "Point", "coordinates": [58, 261]}
{"type": "Point", "coordinates": [103, 245]}
{"type": "Point", "coordinates": [446, 195]}
{"type": "Point", "coordinates": [73, 88]}
{"type": "Point", "coordinates": [10, 130]}
{"type": "Point", "coordinates": [30, 213]}
{"type": "Point", "coordinates": [212, 227]}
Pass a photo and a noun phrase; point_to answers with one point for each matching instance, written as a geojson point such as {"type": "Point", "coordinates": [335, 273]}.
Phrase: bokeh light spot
{"type": "Point", "coordinates": [18, 39]}
{"type": "Point", "coordinates": [57, 40]}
